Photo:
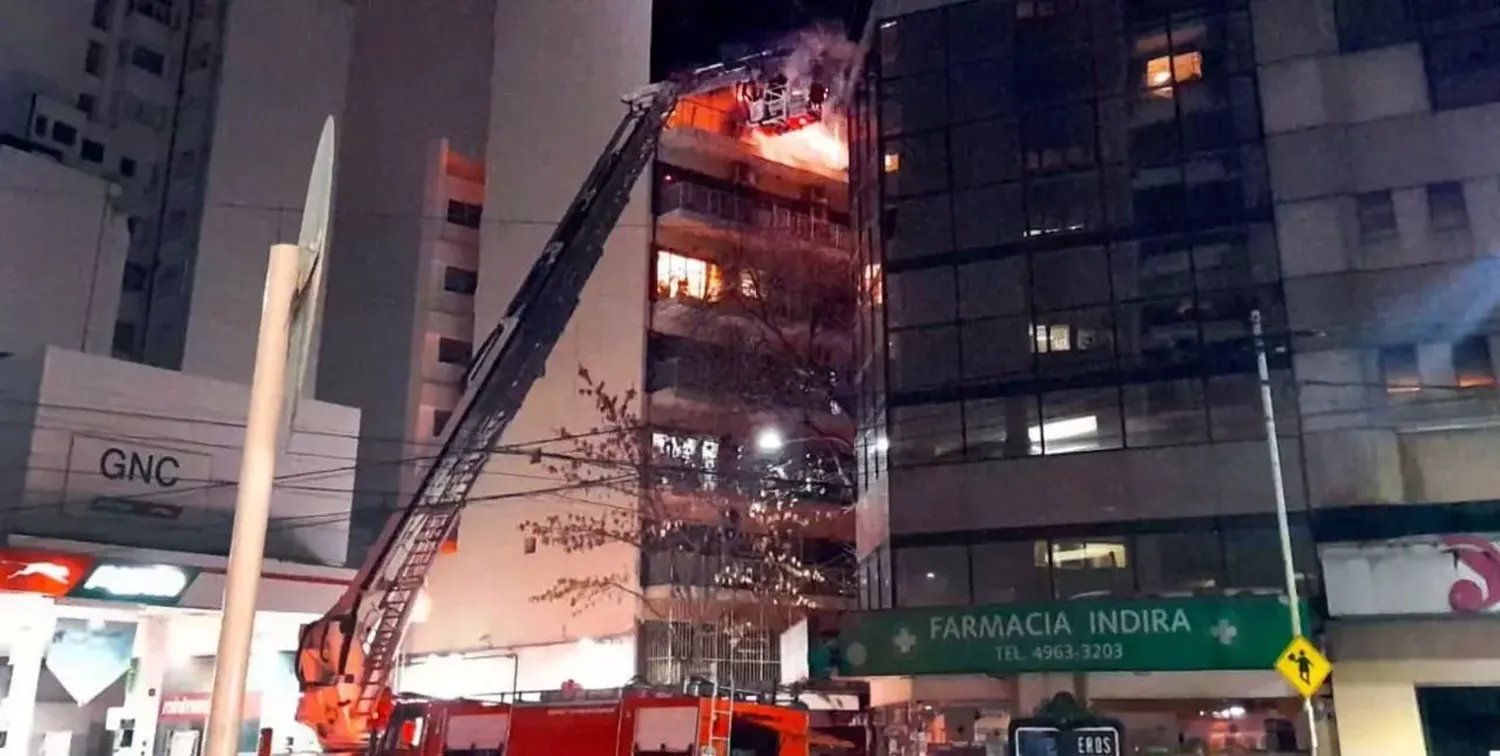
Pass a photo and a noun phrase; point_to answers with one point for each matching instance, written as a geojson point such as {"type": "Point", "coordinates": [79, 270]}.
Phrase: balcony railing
{"type": "Point", "coordinates": [697, 570]}
{"type": "Point", "coordinates": [755, 216]}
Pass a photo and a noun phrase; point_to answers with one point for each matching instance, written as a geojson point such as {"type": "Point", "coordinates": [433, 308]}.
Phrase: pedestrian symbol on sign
{"type": "Point", "coordinates": [1303, 667]}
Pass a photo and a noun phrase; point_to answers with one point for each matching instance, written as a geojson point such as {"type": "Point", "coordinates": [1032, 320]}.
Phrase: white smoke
{"type": "Point", "coordinates": [823, 54]}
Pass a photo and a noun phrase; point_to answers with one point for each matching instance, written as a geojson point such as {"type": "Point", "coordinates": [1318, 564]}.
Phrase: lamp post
{"type": "Point", "coordinates": [1283, 527]}
{"type": "Point", "coordinates": [288, 320]}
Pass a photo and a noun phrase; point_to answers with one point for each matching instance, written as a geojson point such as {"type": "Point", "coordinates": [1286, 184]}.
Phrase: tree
{"type": "Point", "coordinates": [724, 536]}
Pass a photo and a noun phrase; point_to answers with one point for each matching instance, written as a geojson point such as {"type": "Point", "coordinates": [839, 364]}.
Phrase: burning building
{"type": "Point", "coordinates": [749, 342]}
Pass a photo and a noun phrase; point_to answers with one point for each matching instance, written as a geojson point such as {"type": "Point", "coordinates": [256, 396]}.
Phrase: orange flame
{"type": "Point", "coordinates": [816, 147]}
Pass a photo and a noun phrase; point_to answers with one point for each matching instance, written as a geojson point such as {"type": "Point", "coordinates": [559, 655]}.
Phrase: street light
{"type": "Point", "coordinates": [769, 440]}
{"type": "Point", "coordinates": [1283, 527]}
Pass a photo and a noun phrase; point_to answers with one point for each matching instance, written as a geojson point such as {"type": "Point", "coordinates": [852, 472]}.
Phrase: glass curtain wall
{"type": "Point", "coordinates": [1075, 222]}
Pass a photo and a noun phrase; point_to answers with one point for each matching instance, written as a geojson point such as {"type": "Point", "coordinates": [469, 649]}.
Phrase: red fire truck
{"type": "Point", "coordinates": [623, 722]}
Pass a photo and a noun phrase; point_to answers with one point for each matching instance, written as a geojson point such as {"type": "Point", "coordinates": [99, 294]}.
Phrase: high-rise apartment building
{"type": "Point", "coordinates": [205, 114]}
{"type": "Point", "coordinates": [1069, 212]}
{"type": "Point", "coordinates": [399, 324]}
{"type": "Point", "coordinates": [680, 324]}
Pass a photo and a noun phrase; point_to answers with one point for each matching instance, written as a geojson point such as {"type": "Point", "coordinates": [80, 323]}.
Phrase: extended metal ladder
{"type": "Point", "coordinates": [720, 708]}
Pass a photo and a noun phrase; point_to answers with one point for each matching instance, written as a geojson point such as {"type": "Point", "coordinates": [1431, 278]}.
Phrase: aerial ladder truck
{"type": "Point", "coordinates": [347, 659]}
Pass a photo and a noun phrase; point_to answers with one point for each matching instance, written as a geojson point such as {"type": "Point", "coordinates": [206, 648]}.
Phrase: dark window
{"type": "Point", "coordinates": [103, 13]}
{"type": "Point", "coordinates": [460, 281]}
{"type": "Point", "coordinates": [1399, 369]}
{"type": "Point", "coordinates": [932, 576]}
{"type": "Point", "coordinates": [440, 420]}
{"type": "Point", "coordinates": [1464, 68]}
{"type": "Point", "coordinates": [1377, 216]}
{"type": "Point", "coordinates": [93, 59]}
{"type": "Point", "coordinates": [92, 151]}
{"type": "Point", "coordinates": [1472, 365]}
{"type": "Point", "coordinates": [1177, 563]}
{"type": "Point", "coordinates": [64, 134]}
{"type": "Point", "coordinates": [528, 546]}
{"type": "Point", "coordinates": [87, 103]}
{"type": "Point", "coordinates": [1446, 209]}
{"type": "Point", "coordinates": [926, 433]}
{"type": "Point", "coordinates": [454, 352]}
{"type": "Point", "coordinates": [40, 127]}
{"type": "Point", "coordinates": [465, 214]}
{"type": "Point", "coordinates": [148, 60]}
{"type": "Point", "coordinates": [127, 167]}
{"type": "Point", "coordinates": [124, 338]}
{"type": "Point", "coordinates": [1458, 721]}
{"type": "Point", "coordinates": [1365, 24]}
{"type": "Point", "coordinates": [1011, 572]}
{"type": "Point", "coordinates": [135, 277]}
{"type": "Point", "coordinates": [1165, 413]}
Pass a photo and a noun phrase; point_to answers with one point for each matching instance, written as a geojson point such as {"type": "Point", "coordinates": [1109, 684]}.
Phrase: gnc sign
{"type": "Point", "coordinates": [1427, 575]}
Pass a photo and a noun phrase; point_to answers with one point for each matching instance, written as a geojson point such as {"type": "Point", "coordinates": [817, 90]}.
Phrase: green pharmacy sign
{"type": "Point", "coordinates": [1210, 633]}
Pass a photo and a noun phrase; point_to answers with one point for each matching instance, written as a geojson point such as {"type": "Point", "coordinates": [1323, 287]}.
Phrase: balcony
{"type": "Point", "coordinates": [701, 131]}
{"type": "Point", "coordinates": [741, 219]}
{"type": "Point", "coordinates": [687, 569]}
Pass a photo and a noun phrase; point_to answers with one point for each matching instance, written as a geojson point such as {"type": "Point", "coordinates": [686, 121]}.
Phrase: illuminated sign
{"type": "Point", "coordinates": [142, 583]}
{"type": "Point", "coordinates": [47, 573]}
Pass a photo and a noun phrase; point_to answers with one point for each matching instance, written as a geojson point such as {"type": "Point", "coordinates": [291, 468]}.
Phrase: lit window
{"type": "Point", "coordinates": [748, 288]}
{"type": "Point", "coordinates": [892, 162]}
{"type": "Point", "coordinates": [1471, 363]}
{"type": "Point", "coordinates": [1398, 365]}
{"type": "Point", "coordinates": [1088, 555]}
{"type": "Point", "coordinates": [679, 277]}
{"type": "Point", "coordinates": [1162, 72]}
{"type": "Point", "coordinates": [874, 285]}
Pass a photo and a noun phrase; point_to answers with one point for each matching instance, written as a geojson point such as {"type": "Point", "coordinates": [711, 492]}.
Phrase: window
{"type": "Point", "coordinates": [454, 351]}
{"type": "Point", "coordinates": [1091, 569]}
{"type": "Point", "coordinates": [1162, 72]}
{"type": "Point", "coordinates": [1177, 563]}
{"type": "Point", "coordinates": [465, 214]}
{"type": "Point", "coordinates": [1011, 572]}
{"type": "Point", "coordinates": [1366, 24]}
{"type": "Point", "coordinates": [1165, 413]}
{"type": "Point", "coordinates": [681, 277]}
{"type": "Point", "coordinates": [528, 545]}
{"type": "Point", "coordinates": [926, 433]}
{"type": "Point", "coordinates": [1002, 428]}
{"type": "Point", "coordinates": [40, 127]}
{"type": "Point", "coordinates": [124, 338]}
{"type": "Point", "coordinates": [92, 151]}
{"type": "Point", "coordinates": [134, 278]}
{"type": "Point", "coordinates": [93, 59]}
{"type": "Point", "coordinates": [923, 358]}
{"type": "Point", "coordinates": [64, 134]}
{"type": "Point", "coordinates": [127, 167]}
{"type": "Point", "coordinates": [1079, 420]}
{"type": "Point", "coordinates": [1377, 216]}
{"type": "Point", "coordinates": [148, 60]}
{"type": "Point", "coordinates": [440, 420]}
{"type": "Point", "coordinates": [921, 297]}
{"type": "Point", "coordinates": [1472, 365]}
{"type": "Point", "coordinates": [87, 103]}
{"type": "Point", "coordinates": [1464, 68]}
{"type": "Point", "coordinates": [932, 576]}
{"type": "Point", "coordinates": [103, 13]}
{"type": "Point", "coordinates": [460, 281]}
{"type": "Point", "coordinates": [1446, 210]}
{"type": "Point", "coordinates": [1399, 370]}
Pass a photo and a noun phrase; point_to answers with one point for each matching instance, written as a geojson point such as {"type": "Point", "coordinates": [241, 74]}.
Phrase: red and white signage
{"type": "Point", "coordinates": [45, 572]}
{"type": "Point", "coordinates": [1428, 575]}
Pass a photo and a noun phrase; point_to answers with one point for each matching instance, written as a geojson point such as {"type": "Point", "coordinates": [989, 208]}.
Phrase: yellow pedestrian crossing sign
{"type": "Point", "coordinates": [1303, 666]}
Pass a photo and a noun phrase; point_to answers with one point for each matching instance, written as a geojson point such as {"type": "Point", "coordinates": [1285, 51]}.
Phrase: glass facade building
{"type": "Point", "coordinates": [1065, 218]}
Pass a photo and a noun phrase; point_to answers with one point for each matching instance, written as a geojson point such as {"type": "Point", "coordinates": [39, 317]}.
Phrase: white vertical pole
{"type": "Point", "coordinates": [253, 504]}
{"type": "Point", "coordinates": [1283, 527]}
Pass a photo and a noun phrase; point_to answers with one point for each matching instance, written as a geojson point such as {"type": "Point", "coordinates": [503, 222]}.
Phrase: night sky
{"type": "Point", "coordinates": [692, 32]}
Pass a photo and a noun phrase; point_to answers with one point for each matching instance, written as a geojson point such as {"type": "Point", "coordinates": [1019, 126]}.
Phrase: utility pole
{"type": "Point", "coordinates": [1283, 527]}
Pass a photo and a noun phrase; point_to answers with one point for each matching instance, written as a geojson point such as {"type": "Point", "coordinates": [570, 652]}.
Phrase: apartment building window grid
{"type": "Point", "coordinates": [1017, 340]}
